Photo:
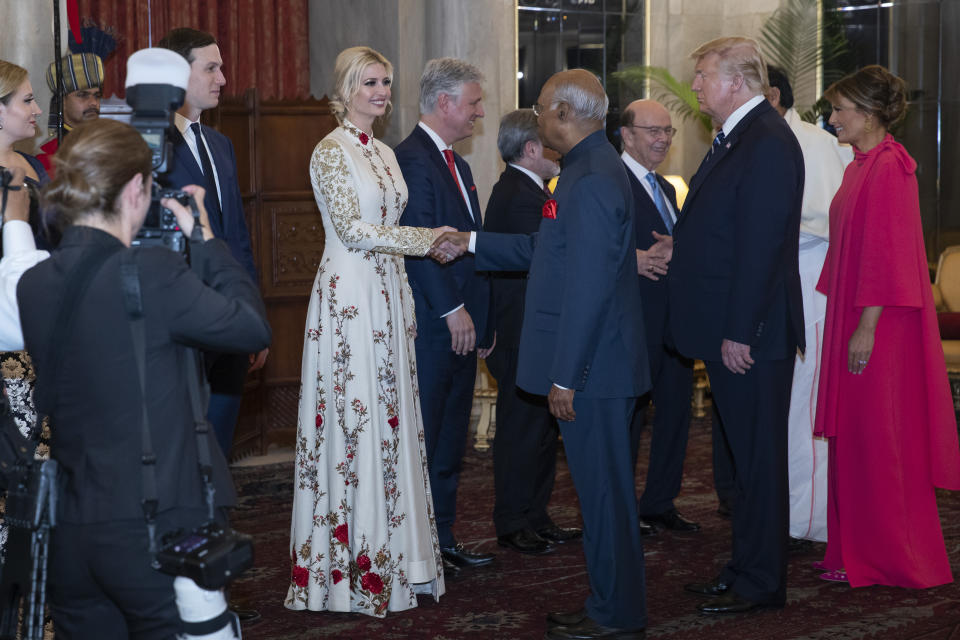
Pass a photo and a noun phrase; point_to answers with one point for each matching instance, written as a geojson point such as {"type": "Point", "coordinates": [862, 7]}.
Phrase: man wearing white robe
{"type": "Point", "coordinates": [824, 160]}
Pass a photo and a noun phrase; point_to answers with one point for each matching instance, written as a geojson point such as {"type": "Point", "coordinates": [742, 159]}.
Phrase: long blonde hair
{"type": "Point", "coordinates": [347, 73]}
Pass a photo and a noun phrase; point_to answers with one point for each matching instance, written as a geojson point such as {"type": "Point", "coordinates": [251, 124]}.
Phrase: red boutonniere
{"type": "Point", "coordinates": [364, 138]}
{"type": "Point", "coordinates": [550, 209]}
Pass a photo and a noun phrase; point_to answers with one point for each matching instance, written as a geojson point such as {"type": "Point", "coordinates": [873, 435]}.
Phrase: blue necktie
{"type": "Point", "coordinates": [658, 200]}
{"type": "Point", "coordinates": [716, 143]}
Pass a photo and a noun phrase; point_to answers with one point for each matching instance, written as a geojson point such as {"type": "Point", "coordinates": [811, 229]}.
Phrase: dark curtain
{"type": "Point", "coordinates": [263, 42]}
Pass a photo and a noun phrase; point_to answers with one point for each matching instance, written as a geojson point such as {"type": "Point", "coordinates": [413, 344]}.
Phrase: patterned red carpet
{"type": "Point", "coordinates": [509, 600]}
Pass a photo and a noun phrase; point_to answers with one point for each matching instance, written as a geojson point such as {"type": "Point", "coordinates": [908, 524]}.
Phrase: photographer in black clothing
{"type": "Point", "coordinates": [102, 582]}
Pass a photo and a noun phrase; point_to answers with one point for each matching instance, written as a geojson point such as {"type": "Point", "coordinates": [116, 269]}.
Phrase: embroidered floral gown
{"type": "Point", "coordinates": [363, 535]}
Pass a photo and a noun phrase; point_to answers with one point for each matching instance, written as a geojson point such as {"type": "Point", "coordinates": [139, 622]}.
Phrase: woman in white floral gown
{"type": "Point", "coordinates": [363, 536]}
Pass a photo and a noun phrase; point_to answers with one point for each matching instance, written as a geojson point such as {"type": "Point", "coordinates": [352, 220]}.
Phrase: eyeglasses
{"type": "Point", "coordinates": [657, 131]}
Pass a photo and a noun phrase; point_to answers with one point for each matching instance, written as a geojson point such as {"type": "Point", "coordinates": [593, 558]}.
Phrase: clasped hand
{"type": "Point", "coordinates": [448, 244]}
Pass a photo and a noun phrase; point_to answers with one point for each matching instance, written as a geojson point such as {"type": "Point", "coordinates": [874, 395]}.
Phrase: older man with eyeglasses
{"type": "Point", "coordinates": [646, 131]}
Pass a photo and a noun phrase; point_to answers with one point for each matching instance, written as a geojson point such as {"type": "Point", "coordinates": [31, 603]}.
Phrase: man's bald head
{"type": "Point", "coordinates": [646, 131]}
{"type": "Point", "coordinates": [581, 91]}
{"type": "Point", "coordinates": [571, 106]}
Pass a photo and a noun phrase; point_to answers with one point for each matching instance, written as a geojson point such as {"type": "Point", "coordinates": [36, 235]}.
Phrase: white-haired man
{"type": "Point", "coordinates": [452, 300]}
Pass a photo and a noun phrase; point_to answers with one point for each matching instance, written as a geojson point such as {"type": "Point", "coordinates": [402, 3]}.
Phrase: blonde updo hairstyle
{"type": "Point", "coordinates": [347, 73]}
{"type": "Point", "coordinates": [11, 77]}
{"type": "Point", "coordinates": [93, 164]}
{"type": "Point", "coordinates": [875, 92]}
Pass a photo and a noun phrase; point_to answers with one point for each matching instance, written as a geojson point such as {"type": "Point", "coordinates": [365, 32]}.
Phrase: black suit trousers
{"type": "Point", "coordinates": [754, 408]}
{"type": "Point", "coordinates": [671, 394]}
{"type": "Point", "coordinates": [446, 395]}
{"type": "Point", "coordinates": [524, 450]}
{"type": "Point", "coordinates": [102, 584]}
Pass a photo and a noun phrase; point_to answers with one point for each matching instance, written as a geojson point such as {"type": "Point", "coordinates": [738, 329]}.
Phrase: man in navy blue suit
{"type": "Point", "coordinates": [582, 344]}
{"type": "Point", "coordinates": [204, 156]}
{"type": "Point", "coordinates": [452, 300]}
{"type": "Point", "coordinates": [646, 131]}
{"type": "Point", "coordinates": [735, 303]}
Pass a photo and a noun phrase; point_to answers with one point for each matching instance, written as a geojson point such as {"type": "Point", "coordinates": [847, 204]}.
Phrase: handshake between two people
{"type": "Point", "coordinates": [448, 244]}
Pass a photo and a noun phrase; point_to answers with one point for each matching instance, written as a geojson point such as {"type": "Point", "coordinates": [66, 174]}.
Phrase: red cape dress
{"type": "Point", "coordinates": [892, 430]}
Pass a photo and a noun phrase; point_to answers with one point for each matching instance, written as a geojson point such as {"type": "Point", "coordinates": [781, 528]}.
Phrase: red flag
{"type": "Point", "coordinates": [73, 16]}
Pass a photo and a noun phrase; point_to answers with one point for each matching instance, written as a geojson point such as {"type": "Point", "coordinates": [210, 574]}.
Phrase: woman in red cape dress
{"type": "Point", "coordinates": [884, 400]}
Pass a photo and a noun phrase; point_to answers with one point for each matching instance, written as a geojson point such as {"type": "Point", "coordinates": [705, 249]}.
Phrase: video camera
{"type": "Point", "coordinates": [156, 85]}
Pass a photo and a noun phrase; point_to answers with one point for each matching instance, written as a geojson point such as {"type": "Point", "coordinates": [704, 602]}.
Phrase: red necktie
{"type": "Point", "coordinates": [448, 154]}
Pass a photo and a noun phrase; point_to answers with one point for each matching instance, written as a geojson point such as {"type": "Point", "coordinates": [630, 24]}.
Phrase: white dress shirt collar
{"type": "Point", "coordinates": [532, 175]}
{"type": "Point", "coordinates": [437, 140]}
{"type": "Point", "coordinates": [734, 119]}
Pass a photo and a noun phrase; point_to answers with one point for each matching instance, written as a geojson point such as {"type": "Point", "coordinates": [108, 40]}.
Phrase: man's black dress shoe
{"type": "Point", "coordinates": [565, 618]}
{"type": "Point", "coordinates": [450, 570]}
{"type": "Point", "coordinates": [646, 529]}
{"type": "Point", "coordinates": [730, 602]}
{"type": "Point", "coordinates": [463, 558]}
{"type": "Point", "coordinates": [525, 541]}
{"type": "Point", "coordinates": [671, 520]}
{"type": "Point", "coordinates": [588, 629]}
{"type": "Point", "coordinates": [715, 588]}
{"type": "Point", "coordinates": [559, 535]}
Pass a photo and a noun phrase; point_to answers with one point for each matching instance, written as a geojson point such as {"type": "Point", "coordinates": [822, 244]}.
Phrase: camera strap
{"type": "Point", "coordinates": [133, 303]}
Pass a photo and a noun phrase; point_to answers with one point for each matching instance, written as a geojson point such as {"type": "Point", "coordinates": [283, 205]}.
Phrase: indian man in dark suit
{"type": "Point", "coordinates": [452, 300]}
{"type": "Point", "coordinates": [582, 346]}
{"type": "Point", "coordinates": [646, 131]}
{"type": "Point", "coordinates": [525, 444]}
{"type": "Point", "coordinates": [735, 303]}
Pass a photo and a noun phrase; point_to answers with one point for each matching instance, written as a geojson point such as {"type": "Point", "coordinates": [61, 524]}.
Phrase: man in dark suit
{"type": "Point", "coordinates": [735, 303]}
{"type": "Point", "coordinates": [582, 346]}
{"type": "Point", "coordinates": [452, 300]}
{"type": "Point", "coordinates": [646, 131]}
{"type": "Point", "coordinates": [525, 444]}
{"type": "Point", "coordinates": [204, 156]}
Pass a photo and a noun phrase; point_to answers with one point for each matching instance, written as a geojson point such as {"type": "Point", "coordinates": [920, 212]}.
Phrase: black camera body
{"type": "Point", "coordinates": [210, 555]}
{"type": "Point", "coordinates": [153, 108]}
{"type": "Point", "coordinates": [160, 227]}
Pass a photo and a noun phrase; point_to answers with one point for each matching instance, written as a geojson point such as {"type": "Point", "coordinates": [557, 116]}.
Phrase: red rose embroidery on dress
{"type": "Point", "coordinates": [364, 138]}
{"type": "Point", "coordinates": [550, 209]}
{"type": "Point", "coordinates": [340, 533]}
{"type": "Point", "coordinates": [336, 575]}
{"type": "Point", "coordinates": [394, 422]}
{"type": "Point", "coordinates": [319, 420]}
{"type": "Point", "coordinates": [300, 576]}
{"type": "Point", "coordinates": [371, 582]}
{"type": "Point", "coordinates": [363, 562]}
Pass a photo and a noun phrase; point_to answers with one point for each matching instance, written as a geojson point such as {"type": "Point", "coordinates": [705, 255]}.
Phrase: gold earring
{"type": "Point", "coordinates": [868, 125]}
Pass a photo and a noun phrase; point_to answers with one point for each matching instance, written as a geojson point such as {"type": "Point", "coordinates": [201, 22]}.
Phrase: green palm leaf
{"type": "Point", "coordinates": [675, 95]}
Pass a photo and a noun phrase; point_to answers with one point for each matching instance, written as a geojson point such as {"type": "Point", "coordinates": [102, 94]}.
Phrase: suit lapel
{"type": "Point", "coordinates": [185, 157]}
{"type": "Point", "coordinates": [436, 157]}
{"type": "Point", "coordinates": [710, 163]}
{"type": "Point", "coordinates": [471, 188]}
